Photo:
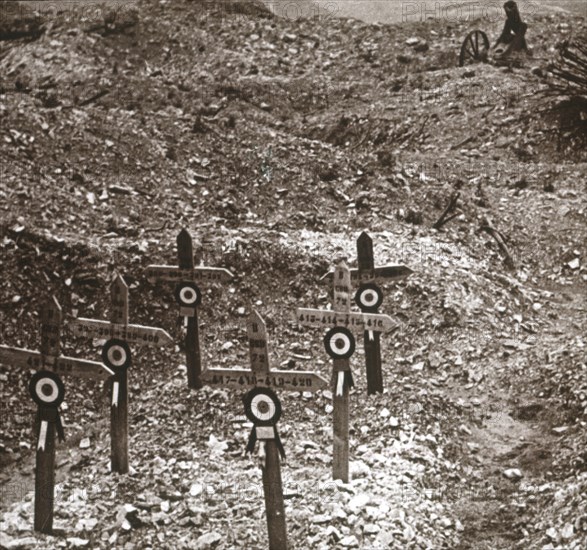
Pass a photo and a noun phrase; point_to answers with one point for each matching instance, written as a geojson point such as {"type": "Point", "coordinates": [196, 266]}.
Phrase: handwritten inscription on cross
{"type": "Point", "coordinates": [260, 373]}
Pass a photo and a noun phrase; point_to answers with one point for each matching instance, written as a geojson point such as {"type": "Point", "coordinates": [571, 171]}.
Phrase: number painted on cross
{"type": "Point", "coordinates": [260, 373]}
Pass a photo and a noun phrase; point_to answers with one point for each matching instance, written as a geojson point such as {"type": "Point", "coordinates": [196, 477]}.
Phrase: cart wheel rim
{"type": "Point", "coordinates": [474, 47]}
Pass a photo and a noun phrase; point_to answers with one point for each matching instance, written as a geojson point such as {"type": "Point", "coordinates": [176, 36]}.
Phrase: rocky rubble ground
{"type": "Point", "coordinates": [276, 142]}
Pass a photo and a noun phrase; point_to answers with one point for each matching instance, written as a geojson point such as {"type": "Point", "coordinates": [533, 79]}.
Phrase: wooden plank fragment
{"type": "Point", "coordinates": [45, 475]}
{"type": "Point", "coordinates": [273, 491]}
{"type": "Point", "coordinates": [258, 349]}
{"type": "Point", "coordinates": [381, 274]}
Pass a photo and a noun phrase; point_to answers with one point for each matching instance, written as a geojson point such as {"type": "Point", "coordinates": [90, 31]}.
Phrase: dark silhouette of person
{"type": "Point", "coordinates": [513, 36]}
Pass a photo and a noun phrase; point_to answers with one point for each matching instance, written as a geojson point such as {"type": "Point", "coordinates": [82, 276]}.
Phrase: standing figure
{"type": "Point", "coordinates": [513, 36]}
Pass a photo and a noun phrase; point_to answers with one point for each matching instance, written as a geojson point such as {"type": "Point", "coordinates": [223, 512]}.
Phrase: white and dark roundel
{"type": "Point", "coordinates": [116, 355]}
{"type": "Point", "coordinates": [339, 343]}
{"type": "Point", "coordinates": [369, 297]}
{"type": "Point", "coordinates": [47, 389]}
{"type": "Point", "coordinates": [188, 294]}
{"type": "Point", "coordinates": [262, 407]}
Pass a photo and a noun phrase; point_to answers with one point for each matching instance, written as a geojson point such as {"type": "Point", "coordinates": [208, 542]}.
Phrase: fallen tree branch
{"type": "Point", "coordinates": [419, 132]}
{"type": "Point", "coordinates": [93, 98]}
{"type": "Point", "coordinates": [452, 204]}
{"type": "Point", "coordinates": [498, 237]}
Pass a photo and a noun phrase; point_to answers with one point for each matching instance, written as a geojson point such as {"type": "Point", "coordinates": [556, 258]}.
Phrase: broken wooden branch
{"type": "Point", "coordinates": [445, 218]}
{"type": "Point", "coordinates": [93, 98]}
{"type": "Point", "coordinates": [499, 239]}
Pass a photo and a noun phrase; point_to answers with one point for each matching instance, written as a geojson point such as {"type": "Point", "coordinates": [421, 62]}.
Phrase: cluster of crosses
{"type": "Point", "coordinates": [261, 403]}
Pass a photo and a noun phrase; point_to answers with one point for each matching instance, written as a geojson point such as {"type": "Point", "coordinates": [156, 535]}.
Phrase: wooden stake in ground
{"type": "Point", "coordinates": [189, 297]}
{"type": "Point", "coordinates": [263, 409]}
{"type": "Point", "coordinates": [369, 297]}
{"type": "Point", "coordinates": [116, 356]}
{"type": "Point", "coordinates": [340, 345]}
{"type": "Point", "coordinates": [48, 391]}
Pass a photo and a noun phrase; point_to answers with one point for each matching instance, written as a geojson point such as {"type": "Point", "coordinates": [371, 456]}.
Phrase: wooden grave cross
{"type": "Point", "coordinates": [116, 356]}
{"type": "Point", "coordinates": [189, 297]}
{"type": "Point", "coordinates": [48, 391]}
{"type": "Point", "coordinates": [369, 297]}
{"type": "Point", "coordinates": [340, 345]}
{"type": "Point", "coordinates": [263, 408]}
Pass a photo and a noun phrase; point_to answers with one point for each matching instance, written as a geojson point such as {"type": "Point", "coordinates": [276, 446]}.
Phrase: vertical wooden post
{"type": "Point", "coordinates": [45, 475]}
{"type": "Point", "coordinates": [341, 301]}
{"type": "Point", "coordinates": [258, 347]}
{"type": "Point", "coordinates": [371, 339]}
{"type": "Point", "coordinates": [273, 490]}
{"type": "Point", "coordinates": [119, 389]}
{"type": "Point", "coordinates": [185, 256]}
{"type": "Point", "coordinates": [51, 318]}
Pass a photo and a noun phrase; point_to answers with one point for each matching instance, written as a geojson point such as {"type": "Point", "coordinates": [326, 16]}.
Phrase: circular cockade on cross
{"type": "Point", "coordinates": [262, 407]}
{"type": "Point", "coordinates": [188, 294]}
{"type": "Point", "coordinates": [116, 355]}
{"type": "Point", "coordinates": [339, 343]}
{"type": "Point", "coordinates": [369, 297]}
{"type": "Point", "coordinates": [47, 389]}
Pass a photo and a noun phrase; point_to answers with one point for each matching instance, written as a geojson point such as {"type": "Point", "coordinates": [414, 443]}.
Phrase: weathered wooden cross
{"type": "Point", "coordinates": [340, 345]}
{"type": "Point", "coordinates": [48, 391]}
{"type": "Point", "coordinates": [263, 408]}
{"type": "Point", "coordinates": [369, 297]}
{"type": "Point", "coordinates": [116, 356]}
{"type": "Point", "coordinates": [189, 296]}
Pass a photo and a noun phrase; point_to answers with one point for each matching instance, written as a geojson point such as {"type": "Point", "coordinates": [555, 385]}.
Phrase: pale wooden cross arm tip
{"type": "Point", "coordinates": [135, 334]}
{"type": "Point", "coordinates": [21, 357]}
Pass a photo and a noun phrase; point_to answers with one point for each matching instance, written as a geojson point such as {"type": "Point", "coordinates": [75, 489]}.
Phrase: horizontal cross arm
{"type": "Point", "coordinates": [175, 274]}
{"type": "Point", "coordinates": [381, 274]}
{"type": "Point", "coordinates": [353, 321]}
{"type": "Point", "coordinates": [133, 334]}
{"type": "Point", "coordinates": [20, 357]}
{"type": "Point", "coordinates": [279, 380]}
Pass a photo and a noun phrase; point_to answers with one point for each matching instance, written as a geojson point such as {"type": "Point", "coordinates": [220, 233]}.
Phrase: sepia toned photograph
{"type": "Point", "coordinates": [293, 274]}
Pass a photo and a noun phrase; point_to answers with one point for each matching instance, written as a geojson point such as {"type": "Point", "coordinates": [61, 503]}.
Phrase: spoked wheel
{"type": "Point", "coordinates": [474, 48]}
